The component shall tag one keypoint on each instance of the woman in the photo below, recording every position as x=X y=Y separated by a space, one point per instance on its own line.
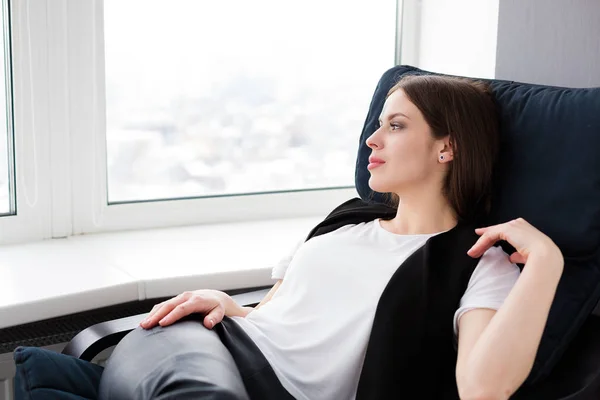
x=434 y=153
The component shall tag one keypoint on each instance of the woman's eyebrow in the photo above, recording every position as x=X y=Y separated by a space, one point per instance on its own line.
x=398 y=114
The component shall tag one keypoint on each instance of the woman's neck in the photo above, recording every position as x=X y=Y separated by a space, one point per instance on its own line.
x=423 y=216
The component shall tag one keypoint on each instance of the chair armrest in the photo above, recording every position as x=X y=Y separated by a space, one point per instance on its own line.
x=92 y=340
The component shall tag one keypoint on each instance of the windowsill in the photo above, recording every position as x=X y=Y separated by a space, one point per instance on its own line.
x=64 y=276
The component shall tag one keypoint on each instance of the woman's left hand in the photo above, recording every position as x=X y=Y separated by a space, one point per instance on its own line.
x=525 y=238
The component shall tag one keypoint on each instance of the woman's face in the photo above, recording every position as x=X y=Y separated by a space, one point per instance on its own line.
x=404 y=143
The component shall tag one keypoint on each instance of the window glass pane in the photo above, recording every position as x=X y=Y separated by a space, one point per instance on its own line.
x=210 y=98
x=6 y=173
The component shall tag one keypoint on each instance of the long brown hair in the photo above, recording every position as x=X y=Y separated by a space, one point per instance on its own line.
x=464 y=109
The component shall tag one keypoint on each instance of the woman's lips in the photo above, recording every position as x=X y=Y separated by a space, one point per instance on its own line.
x=375 y=164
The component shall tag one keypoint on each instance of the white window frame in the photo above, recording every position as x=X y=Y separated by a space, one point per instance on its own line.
x=67 y=104
x=31 y=129
x=408 y=32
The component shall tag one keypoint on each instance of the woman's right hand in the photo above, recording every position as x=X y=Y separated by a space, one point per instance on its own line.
x=211 y=303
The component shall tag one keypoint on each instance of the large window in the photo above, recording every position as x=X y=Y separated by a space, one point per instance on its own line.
x=209 y=98
x=132 y=114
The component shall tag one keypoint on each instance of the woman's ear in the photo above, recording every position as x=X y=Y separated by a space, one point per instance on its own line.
x=447 y=151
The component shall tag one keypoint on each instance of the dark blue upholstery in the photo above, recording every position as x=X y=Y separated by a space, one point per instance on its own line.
x=549 y=174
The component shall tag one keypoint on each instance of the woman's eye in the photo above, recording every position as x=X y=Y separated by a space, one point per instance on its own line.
x=396 y=126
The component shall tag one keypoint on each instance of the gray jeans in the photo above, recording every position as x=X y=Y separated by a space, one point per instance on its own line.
x=188 y=361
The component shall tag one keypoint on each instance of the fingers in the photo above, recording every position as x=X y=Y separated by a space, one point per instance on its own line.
x=168 y=312
x=160 y=310
x=517 y=258
x=524 y=237
x=158 y=313
x=155 y=309
x=177 y=313
x=214 y=317
x=489 y=236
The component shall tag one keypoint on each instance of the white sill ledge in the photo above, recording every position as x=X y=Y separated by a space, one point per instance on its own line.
x=64 y=276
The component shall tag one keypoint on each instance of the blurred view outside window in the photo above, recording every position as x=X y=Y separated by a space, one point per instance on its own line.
x=6 y=134
x=211 y=98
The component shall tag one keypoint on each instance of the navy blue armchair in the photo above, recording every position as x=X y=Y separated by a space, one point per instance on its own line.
x=549 y=174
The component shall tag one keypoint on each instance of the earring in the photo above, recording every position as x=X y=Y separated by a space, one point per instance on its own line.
x=441 y=158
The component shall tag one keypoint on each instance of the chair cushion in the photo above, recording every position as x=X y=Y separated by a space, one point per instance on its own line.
x=548 y=173
x=44 y=375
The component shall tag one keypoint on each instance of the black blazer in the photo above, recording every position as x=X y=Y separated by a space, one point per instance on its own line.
x=411 y=352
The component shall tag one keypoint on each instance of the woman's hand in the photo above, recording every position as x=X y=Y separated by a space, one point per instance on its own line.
x=525 y=238
x=209 y=302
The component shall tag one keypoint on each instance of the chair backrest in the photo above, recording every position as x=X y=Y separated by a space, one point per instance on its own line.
x=549 y=174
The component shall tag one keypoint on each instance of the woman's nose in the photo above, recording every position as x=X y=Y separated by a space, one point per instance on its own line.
x=371 y=142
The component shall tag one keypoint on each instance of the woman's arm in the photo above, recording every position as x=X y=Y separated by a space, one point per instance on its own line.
x=496 y=349
x=213 y=303
x=247 y=310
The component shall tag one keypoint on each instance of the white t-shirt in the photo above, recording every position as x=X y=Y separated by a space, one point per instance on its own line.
x=315 y=329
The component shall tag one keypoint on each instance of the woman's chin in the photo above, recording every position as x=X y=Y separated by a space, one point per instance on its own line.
x=378 y=186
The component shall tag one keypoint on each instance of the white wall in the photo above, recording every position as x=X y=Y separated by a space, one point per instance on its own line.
x=457 y=36
x=552 y=42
